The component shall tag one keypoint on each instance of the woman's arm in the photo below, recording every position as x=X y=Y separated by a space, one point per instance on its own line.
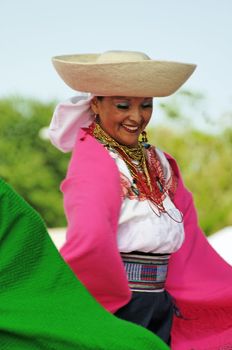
x=92 y=204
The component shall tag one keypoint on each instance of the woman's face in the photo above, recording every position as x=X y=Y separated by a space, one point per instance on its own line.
x=123 y=118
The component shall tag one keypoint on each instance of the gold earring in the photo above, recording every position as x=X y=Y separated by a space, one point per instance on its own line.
x=144 y=137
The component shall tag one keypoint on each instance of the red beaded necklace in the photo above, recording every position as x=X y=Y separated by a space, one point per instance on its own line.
x=143 y=164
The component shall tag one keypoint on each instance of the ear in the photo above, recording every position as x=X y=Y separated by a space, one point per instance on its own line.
x=94 y=105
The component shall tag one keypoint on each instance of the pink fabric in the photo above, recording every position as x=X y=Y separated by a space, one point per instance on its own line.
x=202 y=288
x=92 y=216
x=69 y=116
x=198 y=279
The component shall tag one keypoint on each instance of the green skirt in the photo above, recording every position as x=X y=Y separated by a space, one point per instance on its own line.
x=43 y=306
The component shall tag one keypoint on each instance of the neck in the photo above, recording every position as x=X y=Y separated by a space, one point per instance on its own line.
x=134 y=152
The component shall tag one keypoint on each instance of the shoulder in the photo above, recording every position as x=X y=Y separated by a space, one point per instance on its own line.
x=167 y=162
x=92 y=172
x=90 y=156
x=170 y=168
x=183 y=198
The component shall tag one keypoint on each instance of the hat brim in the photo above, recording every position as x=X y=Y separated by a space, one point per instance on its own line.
x=146 y=78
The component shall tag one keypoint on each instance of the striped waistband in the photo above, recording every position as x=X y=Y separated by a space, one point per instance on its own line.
x=146 y=272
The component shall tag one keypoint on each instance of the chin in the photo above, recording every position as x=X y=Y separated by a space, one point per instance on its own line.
x=130 y=144
x=127 y=142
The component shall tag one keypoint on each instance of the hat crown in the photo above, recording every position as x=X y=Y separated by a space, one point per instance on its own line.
x=122 y=56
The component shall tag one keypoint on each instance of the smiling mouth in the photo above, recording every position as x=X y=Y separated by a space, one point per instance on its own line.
x=130 y=128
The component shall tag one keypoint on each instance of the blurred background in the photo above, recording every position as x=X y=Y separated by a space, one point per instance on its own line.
x=194 y=125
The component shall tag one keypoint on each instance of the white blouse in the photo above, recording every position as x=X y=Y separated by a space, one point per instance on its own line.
x=141 y=226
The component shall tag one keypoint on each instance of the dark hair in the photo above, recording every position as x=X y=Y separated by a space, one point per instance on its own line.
x=100 y=98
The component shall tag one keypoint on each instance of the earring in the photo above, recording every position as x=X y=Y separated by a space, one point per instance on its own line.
x=97 y=119
x=144 y=137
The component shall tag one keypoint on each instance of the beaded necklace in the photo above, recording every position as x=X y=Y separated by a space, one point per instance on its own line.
x=148 y=179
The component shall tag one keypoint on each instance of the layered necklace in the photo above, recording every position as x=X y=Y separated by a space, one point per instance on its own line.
x=148 y=178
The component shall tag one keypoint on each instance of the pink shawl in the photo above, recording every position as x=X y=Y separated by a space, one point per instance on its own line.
x=198 y=279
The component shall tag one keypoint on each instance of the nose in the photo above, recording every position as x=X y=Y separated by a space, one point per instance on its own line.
x=136 y=115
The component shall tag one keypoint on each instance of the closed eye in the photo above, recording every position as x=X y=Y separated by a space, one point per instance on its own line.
x=122 y=105
x=147 y=105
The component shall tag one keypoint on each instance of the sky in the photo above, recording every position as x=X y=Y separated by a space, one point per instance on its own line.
x=196 y=31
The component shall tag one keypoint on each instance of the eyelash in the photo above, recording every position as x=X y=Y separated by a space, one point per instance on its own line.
x=147 y=105
x=121 y=106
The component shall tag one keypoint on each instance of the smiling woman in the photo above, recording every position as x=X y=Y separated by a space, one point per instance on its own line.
x=123 y=118
x=133 y=237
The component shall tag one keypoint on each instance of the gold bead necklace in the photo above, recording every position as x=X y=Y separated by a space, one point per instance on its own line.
x=134 y=156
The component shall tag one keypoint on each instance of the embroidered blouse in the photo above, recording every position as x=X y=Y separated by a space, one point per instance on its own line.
x=141 y=226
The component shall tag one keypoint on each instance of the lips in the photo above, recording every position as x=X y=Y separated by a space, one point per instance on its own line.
x=130 y=128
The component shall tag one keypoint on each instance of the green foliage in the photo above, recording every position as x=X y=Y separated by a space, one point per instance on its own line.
x=181 y=104
x=205 y=163
x=27 y=161
x=35 y=168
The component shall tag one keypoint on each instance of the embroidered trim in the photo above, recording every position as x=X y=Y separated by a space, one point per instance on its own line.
x=145 y=167
x=129 y=189
x=146 y=272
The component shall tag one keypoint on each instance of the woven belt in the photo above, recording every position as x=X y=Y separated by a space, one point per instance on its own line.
x=146 y=272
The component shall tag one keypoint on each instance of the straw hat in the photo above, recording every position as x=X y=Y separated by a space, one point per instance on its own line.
x=122 y=73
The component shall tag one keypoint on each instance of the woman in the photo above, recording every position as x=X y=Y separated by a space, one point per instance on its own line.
x=130 y=218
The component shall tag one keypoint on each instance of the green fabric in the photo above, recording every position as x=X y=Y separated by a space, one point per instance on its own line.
x=42 y=304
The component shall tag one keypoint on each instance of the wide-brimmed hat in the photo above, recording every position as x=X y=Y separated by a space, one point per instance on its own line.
x=122 y=73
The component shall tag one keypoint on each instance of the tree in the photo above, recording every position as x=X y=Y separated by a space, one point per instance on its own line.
x=204 y=159
x=28 y=162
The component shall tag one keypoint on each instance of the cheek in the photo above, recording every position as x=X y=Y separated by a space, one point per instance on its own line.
x=110 y=125
x=147 y=118
x=111 y=119
x=115 y=119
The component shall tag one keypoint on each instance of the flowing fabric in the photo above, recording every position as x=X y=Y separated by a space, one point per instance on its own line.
x=63 y=130
x=201 y=283
x=43 y=306
x=198 y=279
